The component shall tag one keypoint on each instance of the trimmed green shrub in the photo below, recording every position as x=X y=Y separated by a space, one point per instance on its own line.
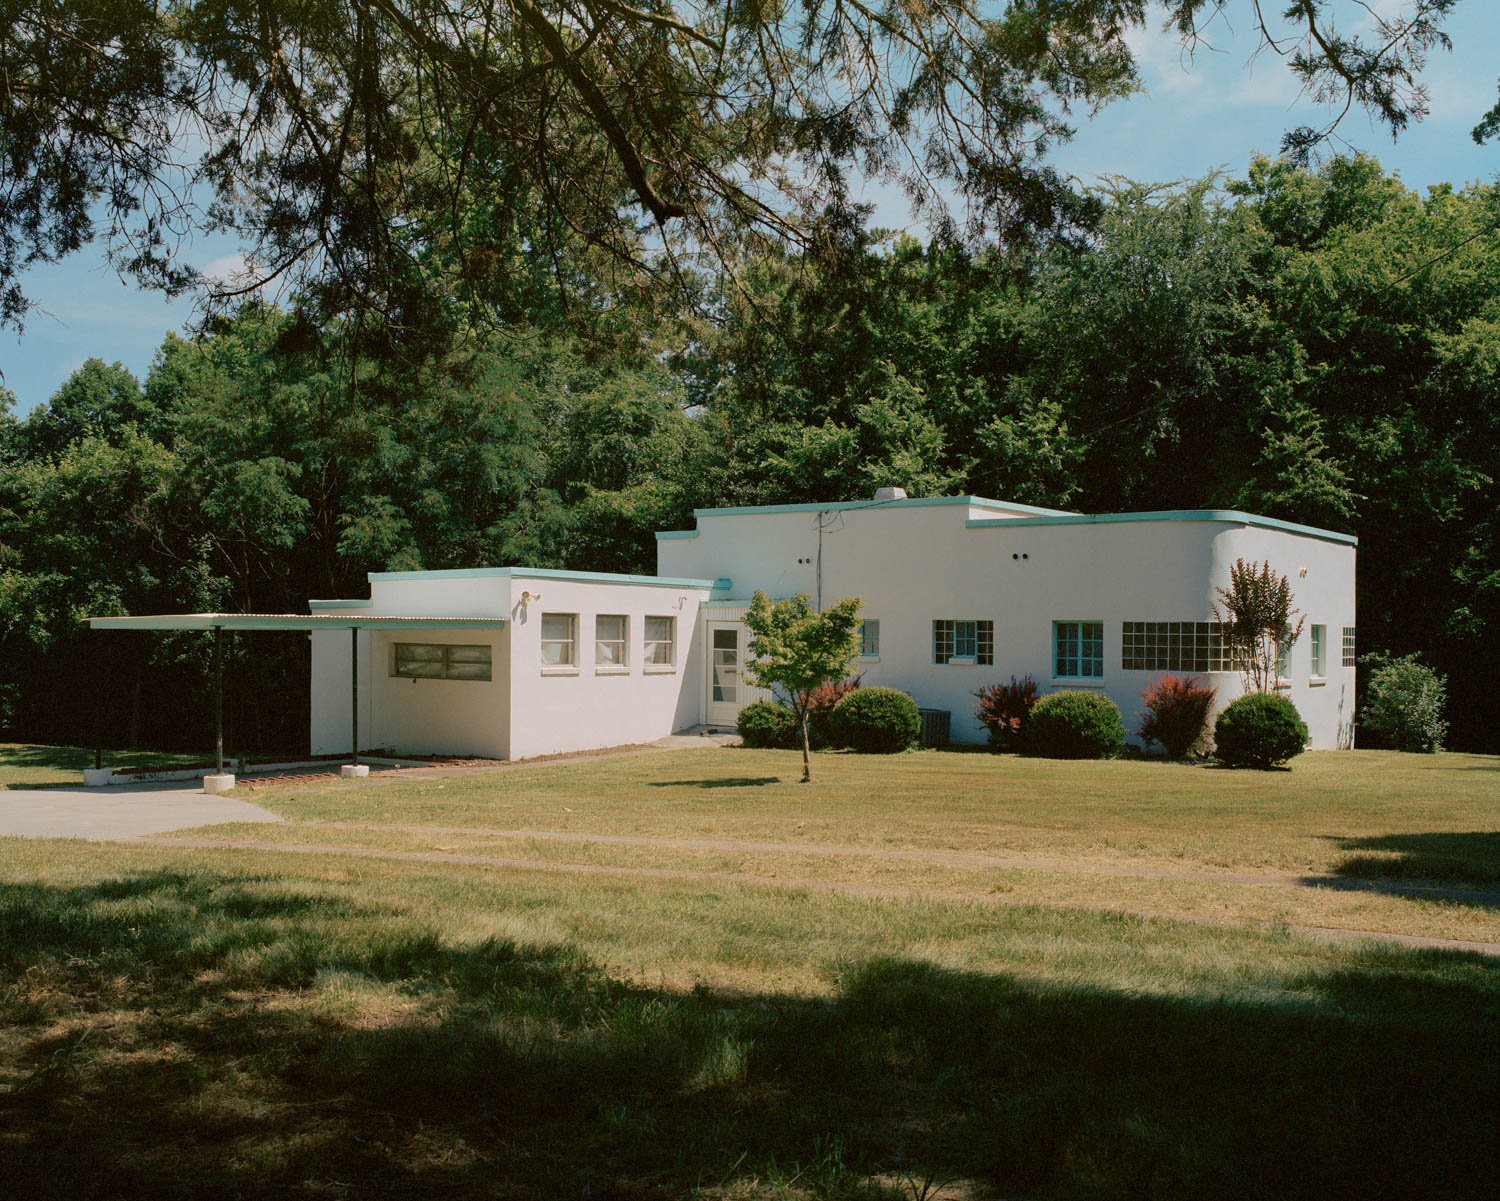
x=1003 y=710
x=1260 y=729
x=769 y=724
x=875 y=721
x=1404 y=705
x=1074 y=725
x=1176 y=713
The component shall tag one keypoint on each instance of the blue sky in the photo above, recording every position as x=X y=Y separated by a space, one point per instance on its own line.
x=1213 y=111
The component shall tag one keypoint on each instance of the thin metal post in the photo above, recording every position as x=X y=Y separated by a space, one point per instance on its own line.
x=354 y=689
x=219 y=700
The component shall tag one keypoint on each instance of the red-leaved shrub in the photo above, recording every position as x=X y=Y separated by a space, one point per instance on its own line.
x=1176 y=713
x=1003 y=710
x=820 y=703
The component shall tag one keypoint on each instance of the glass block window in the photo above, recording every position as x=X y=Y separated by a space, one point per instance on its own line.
x=611 y=637
x=661 y=641
x=954 y=638
x=1078 y=649
x=869 y=639
x=1318 y=636
x=440 y=661
x=1196 y=646
x=1348 y=646
x=559 y=639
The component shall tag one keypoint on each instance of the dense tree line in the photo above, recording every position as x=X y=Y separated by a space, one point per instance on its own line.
x=1317 y=345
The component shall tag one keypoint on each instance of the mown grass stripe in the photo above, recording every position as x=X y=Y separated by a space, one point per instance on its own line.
x=862 y=891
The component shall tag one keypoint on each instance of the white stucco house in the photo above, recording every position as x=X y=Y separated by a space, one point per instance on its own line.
x=958 y=592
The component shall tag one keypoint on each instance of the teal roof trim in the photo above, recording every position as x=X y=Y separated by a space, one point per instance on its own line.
x=911 y=502
x=287 y=621
x=541 y=573
x=1227 y=516
x=315 y=605
x=663 y=535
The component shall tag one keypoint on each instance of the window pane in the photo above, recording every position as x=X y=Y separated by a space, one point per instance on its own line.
x=608 y=627
x=964 y=639
x=869 y=638
x=468 y=654
x=557 y=626
x=942 y=641
x=984 y=642
x=660 y=635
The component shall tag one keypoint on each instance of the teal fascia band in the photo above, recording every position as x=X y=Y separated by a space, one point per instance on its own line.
x=664 y=535
x=288 y=621
x=540 y=573
x=1226 y=516
x=315 y=605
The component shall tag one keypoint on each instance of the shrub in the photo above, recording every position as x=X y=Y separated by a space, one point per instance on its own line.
x=1003 y=710
x=1259 y=729
x=1176 y=713
x=1074 y=725
x=769 y=724
x=876 y=721
x=1404 y=705
x=820 y=703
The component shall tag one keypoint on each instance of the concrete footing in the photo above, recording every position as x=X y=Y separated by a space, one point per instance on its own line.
x=217 y=784
x=98 y=777
x=354 y=771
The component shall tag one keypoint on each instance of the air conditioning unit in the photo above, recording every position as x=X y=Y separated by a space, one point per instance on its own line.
x=937 y=725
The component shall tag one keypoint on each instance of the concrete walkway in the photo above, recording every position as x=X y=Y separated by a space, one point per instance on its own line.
x=119 y=811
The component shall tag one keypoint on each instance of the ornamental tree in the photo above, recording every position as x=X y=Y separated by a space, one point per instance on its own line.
x=1256 y=615
x=795 y=649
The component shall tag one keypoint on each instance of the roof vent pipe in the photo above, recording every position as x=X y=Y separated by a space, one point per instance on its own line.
x=890 y=493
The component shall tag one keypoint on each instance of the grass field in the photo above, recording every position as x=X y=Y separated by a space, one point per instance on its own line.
x=867 y=988
x=29 y=765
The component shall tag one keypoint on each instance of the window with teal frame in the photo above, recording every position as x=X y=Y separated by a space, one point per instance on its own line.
x=1077 y=650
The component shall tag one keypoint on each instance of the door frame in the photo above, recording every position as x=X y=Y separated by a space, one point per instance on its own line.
x=710 y=715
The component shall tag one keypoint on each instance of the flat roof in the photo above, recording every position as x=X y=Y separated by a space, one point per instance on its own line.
x=547 y=573
x=285 y=621
x=1228 y=516
x=905 y=502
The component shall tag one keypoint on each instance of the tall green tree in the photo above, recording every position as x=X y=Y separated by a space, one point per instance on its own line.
x=371 y=154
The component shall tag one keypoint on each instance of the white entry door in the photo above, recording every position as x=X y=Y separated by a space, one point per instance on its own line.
x=725 y=687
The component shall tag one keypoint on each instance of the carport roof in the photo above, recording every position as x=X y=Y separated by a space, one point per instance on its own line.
x=285 y=621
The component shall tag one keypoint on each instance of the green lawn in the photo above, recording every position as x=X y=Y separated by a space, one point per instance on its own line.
x=209 y=1022
x=28 y=765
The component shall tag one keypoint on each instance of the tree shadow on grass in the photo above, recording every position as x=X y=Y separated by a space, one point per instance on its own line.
x=719 y=782
x=1459 y=857
x=176 y=1035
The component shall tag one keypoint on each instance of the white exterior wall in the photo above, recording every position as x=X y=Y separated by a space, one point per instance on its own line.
x=584 y=707
x=915 y=564
x=524 y=709
x=441 y=717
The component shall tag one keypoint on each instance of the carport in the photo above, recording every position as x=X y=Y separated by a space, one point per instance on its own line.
x=221 y=781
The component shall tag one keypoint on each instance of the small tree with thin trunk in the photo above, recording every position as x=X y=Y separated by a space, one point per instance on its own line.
x=1255 y=615
x=794 y=649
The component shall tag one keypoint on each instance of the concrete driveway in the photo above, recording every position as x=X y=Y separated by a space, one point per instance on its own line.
x=120 y=811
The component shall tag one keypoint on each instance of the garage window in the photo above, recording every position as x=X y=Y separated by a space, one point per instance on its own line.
x=441 y=661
